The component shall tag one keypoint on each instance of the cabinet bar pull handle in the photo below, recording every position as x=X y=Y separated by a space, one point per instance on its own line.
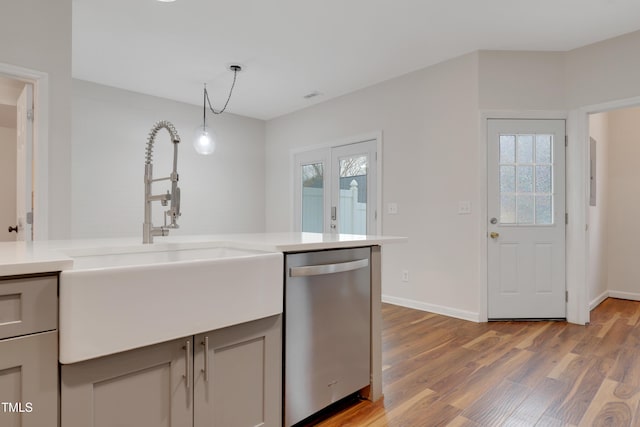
x=187 y=351
x=205 y=343
x=316 y=270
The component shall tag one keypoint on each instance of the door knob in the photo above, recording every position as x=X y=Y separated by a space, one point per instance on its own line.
x=13 y=229
x=494 y=235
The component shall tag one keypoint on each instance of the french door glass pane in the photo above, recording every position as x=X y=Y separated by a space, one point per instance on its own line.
x=526 y=179
x=352 y=209
x=313 y=198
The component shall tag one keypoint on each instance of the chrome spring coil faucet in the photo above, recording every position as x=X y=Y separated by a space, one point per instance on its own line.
x=148 y=230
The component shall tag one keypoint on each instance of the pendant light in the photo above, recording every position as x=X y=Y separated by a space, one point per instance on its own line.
x=205 y=140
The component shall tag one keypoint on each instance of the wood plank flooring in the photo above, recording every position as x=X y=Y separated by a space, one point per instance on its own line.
x=440 y=371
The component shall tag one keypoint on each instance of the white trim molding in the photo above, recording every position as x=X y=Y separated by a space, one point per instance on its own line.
x=598 y=300
x=432 y=308
x=632 y=296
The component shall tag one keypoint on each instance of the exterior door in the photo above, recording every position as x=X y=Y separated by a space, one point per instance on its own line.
x=24 y=158
x=335 y=189
x=526 y=219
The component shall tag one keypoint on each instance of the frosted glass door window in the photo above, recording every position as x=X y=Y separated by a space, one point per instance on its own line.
x=313 y=198
x=526 y=179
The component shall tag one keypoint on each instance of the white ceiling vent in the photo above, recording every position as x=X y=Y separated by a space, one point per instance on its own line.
x=312 y=95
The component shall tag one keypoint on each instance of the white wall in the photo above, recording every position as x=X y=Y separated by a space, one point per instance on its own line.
x=8 y=140
x=605 y=71
x=430 y=148
x=598 y=218
x=220 y=193
x=511 y=80
x=36 y=34
x=624 y=203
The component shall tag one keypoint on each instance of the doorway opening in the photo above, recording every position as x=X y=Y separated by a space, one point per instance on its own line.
x=613 y=206
x=28 y=91
x=16 y=161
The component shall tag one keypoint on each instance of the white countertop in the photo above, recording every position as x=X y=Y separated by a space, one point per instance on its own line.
x=18 y=258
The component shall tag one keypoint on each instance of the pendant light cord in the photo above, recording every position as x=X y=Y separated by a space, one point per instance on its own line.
x=206 y=94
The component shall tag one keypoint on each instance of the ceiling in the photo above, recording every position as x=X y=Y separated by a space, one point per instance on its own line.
x=290 y=48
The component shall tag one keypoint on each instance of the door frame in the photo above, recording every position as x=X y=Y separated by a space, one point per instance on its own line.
x=40 y=143
x=375 y=135
x=580 y=129
x=483 y=218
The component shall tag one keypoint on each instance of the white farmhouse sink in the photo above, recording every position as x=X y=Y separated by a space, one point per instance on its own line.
x=117 y=299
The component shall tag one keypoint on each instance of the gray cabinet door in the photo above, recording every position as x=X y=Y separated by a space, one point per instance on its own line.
x=29 y=381
x=238 y=375
x=146 y=387
x=28 y=305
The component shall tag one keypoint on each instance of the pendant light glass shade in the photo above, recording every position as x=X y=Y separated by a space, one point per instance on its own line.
x=204 y=141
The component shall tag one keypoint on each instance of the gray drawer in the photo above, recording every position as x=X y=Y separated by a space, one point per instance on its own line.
x=28 y=305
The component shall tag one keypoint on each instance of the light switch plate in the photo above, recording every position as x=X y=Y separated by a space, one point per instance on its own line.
x=464 y=207
x=392 y=208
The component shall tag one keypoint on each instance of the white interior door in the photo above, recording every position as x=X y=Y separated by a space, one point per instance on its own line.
x=526 y=219
x=24 y=193
x=336 y=189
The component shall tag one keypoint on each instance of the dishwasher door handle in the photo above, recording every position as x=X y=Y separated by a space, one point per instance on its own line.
x=317 y=270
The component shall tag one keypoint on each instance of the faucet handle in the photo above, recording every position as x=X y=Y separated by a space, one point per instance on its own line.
x=175 y=202
x=166 y=197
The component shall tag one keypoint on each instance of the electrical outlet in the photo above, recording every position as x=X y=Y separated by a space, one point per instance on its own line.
x=405 y=275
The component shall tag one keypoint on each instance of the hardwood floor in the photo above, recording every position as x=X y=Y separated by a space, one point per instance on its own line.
x=439 y=371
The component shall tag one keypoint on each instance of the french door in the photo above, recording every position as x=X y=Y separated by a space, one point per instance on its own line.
x=526 y=219
x=335 y=189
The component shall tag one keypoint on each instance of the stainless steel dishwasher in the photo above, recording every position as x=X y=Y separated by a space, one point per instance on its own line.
x=327 y=329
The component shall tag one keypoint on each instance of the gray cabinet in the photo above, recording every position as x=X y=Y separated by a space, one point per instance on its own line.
x=146 y=387
x=238 y=375
x=228 y=377
x=29 y=351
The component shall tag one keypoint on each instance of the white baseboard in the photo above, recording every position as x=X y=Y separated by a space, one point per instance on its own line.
x=432 y=308
x=597 y=300
x=633 y=296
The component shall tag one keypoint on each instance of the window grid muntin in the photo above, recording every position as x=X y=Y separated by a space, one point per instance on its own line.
x=540 y=156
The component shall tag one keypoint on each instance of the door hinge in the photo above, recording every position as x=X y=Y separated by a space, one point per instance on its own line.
x=566 y=219
x=30 y=114
x=566 y=296
x=30 y=218
x=566 y=140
